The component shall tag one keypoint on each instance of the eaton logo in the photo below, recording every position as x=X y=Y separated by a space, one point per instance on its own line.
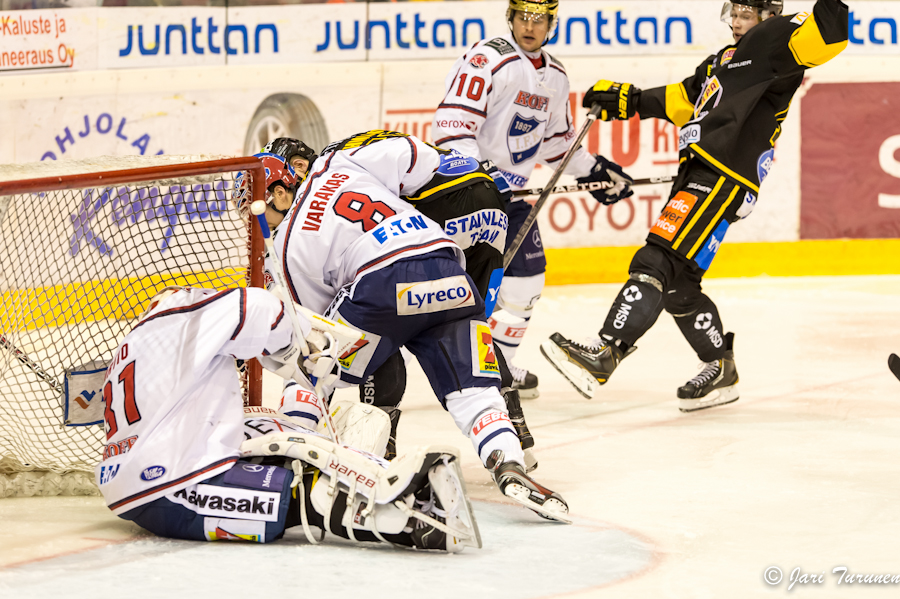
x=199 y=39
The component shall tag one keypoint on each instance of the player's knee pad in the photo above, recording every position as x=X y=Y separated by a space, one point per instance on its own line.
x=656 y=262
x=683 y=300
x=360 y=426
x=385 y=387
x=518 y=295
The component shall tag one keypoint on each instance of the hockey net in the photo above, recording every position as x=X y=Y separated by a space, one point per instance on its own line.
x=85 y=245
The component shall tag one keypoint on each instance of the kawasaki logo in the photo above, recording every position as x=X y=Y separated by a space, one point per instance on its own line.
x=210 y=500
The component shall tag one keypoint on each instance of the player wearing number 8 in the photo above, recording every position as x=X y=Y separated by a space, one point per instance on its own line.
x=352 y=250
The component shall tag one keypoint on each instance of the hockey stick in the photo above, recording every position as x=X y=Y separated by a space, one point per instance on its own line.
x=894 y=365
x=592 y=186
x=258 y=209
x=520 y=236
x=31 y=365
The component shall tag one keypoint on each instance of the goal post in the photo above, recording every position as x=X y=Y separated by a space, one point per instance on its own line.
x=83 y=247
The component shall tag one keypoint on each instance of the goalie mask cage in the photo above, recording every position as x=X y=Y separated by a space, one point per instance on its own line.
x=81 y=256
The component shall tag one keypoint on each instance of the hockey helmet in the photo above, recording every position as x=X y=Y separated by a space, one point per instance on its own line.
x=535 y=7
x=764 y=9
x=289 y=148
x=278 y=172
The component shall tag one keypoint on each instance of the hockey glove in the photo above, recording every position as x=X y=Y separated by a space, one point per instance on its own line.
x=499 y=180
x=618 y=101
x=618 y=182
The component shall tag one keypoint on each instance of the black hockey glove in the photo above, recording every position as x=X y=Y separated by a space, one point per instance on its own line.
x=499 y=180
x=618 y=101
x=608 y=172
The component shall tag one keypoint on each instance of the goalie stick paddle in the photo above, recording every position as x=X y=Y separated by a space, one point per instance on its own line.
x=295 y=320
x=592 y=186
x=894 y=365
x=526 y=226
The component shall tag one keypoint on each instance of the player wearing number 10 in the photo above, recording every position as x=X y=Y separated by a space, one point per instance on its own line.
x=507 y=100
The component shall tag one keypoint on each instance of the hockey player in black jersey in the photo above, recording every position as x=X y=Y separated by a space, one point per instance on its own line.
x=730 y=112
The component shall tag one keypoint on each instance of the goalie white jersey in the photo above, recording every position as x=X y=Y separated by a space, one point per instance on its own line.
x=345 y=223
x=175 y=369
x=498 y=106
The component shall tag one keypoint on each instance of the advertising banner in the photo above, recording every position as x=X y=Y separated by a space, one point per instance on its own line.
x=850 y=161
x=174 y=36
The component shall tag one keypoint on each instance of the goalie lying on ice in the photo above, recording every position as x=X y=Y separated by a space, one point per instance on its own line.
x=183 y=461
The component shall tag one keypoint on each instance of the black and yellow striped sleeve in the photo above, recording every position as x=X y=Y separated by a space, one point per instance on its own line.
x=822 y=36
x=674 y=102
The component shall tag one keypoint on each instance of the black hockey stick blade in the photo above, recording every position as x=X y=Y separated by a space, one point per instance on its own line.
x=894 y=365
x=592 y=186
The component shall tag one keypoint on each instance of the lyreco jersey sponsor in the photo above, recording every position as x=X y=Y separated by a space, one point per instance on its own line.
x=499 y=107
x=345 y=224
x=434 y=296
x=229 y=502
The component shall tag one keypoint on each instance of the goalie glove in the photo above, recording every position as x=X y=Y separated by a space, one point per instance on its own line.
x=605 y=171
x=618 y=101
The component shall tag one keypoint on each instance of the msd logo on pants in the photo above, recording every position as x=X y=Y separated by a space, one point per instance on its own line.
x=434 y=296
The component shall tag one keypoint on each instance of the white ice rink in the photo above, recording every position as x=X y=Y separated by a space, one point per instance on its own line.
x=803 y=471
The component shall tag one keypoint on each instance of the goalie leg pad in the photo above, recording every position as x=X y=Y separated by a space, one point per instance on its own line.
x=361 y=426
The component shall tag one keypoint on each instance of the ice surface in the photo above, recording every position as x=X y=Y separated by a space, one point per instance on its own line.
x=802 y=471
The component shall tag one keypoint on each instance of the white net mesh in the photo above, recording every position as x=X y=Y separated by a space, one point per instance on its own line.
x=77 y=267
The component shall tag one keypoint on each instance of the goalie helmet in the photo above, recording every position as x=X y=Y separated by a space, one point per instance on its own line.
x=278 y=172
x=289 y=148
x=764 y=9
x=535 y=7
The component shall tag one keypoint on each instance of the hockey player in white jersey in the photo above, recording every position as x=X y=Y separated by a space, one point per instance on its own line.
x=462 y=196
x=507 y=100
x=183 y=459
x=352 y=250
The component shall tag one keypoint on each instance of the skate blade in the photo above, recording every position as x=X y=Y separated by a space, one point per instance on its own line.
x=551 y=509
x=719 y=397
x=580 y=378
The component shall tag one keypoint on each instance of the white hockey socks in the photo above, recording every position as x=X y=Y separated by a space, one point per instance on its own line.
x=480 y=413
x=518 y=296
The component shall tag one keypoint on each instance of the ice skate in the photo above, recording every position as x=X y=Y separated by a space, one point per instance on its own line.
x=526 y=383
x=519 y=487
x=446 y=501
x=584 y=365
x=716 y=384
x=517 y=418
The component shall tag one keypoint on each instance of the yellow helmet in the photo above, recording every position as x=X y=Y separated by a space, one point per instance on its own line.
x=536 y=7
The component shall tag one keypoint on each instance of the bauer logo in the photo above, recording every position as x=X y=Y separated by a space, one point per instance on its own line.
x=672 y=217
x=484 y=360
x=434 y=296
x=152 y=473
